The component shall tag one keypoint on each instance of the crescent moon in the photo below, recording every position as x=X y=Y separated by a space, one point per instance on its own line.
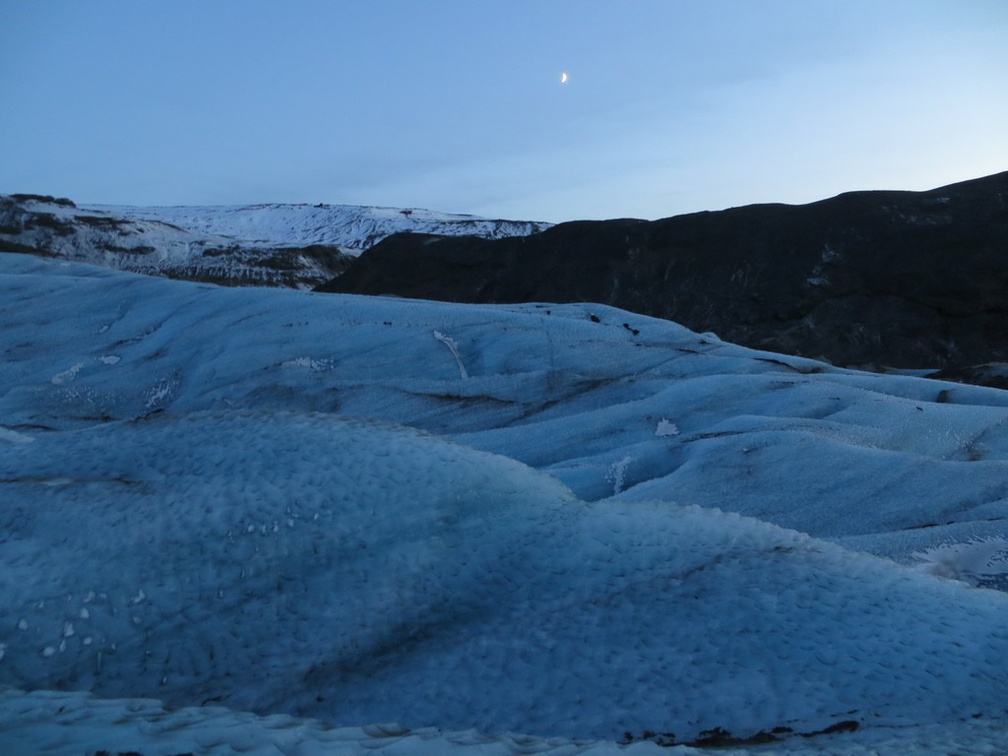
x=563 y=78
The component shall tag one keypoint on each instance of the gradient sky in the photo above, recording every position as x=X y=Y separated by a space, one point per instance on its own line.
x=671 y=106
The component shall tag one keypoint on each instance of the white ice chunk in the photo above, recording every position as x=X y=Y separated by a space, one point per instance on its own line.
x=666 y=428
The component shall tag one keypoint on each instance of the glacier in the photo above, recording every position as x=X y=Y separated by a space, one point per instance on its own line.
x=237 y=516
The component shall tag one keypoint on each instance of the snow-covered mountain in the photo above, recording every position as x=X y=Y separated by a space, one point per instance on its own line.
x=271 y=245
x=352 y=228
x=567 y=521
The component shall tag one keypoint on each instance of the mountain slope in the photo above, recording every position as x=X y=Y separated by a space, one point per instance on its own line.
x=352 y=228
x=902 y=279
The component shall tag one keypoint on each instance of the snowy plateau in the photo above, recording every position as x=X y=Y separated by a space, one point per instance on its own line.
x=270 y=521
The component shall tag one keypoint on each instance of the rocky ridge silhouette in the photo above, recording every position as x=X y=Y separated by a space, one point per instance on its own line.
x=909 y=280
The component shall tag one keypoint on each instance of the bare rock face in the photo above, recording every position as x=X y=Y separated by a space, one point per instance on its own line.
x=898 y=279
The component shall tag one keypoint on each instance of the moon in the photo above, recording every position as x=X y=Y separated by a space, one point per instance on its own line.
x=563 y=78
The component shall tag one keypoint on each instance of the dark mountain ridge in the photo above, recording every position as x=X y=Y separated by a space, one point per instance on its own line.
x=884 y=278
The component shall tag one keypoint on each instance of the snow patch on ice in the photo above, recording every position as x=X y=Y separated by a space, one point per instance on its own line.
x=160 y=392
x=452 y=345
x=974 y=561
x=617 y=473
x=309 y=363
x=13 y=437
x=67 y=375
x=666 y=428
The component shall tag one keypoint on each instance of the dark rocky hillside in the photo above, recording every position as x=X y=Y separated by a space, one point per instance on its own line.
x=881 y=278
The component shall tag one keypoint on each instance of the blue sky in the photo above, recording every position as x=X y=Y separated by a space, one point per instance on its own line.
x=671 y=106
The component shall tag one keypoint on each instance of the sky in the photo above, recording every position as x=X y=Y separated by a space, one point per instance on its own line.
x=670 y=106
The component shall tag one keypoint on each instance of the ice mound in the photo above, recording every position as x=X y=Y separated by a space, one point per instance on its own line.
x=362 y=572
